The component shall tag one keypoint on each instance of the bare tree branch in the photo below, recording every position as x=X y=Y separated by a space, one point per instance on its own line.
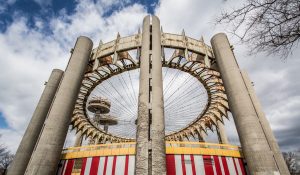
x=5 y=159
x=290 y=160
x=270 y=26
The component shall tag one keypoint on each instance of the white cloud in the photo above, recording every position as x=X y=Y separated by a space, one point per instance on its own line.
x=88 y=20
x=44 y=3
x=11 y=139
x=194 y=16
x=26 y=60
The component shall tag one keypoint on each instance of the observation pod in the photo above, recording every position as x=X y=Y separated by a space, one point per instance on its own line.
x=167 y=92
x=101 y=107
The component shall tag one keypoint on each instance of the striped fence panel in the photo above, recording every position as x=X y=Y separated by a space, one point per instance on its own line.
x=187 y=164
x=106 y=165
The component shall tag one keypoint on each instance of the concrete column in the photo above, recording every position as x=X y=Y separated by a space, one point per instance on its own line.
x=221 y=133
x=47 y=153
x=254 y=143
x=143 y=121
x=283 y=169
x=200 y=138
x=35 y=125
x=78 y=140
x=158 y=119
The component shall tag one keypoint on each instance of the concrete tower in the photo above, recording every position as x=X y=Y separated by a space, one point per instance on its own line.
x=35 y=126
x=254 y=132
x=150 y=151
x=47 y=152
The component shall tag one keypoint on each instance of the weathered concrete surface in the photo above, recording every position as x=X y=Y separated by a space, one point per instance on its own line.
x=35 y=125
x=142 y=136
x=257 y=152
x=158 y=119
x=283 y=169
x=222 y=133
x=47 y=154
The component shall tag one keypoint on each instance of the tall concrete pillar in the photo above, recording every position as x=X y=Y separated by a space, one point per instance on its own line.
x=35 y=125
x=254 y=143
x=283 y=169
x=221 y=133
x=47 y=153
x=143 y=120
x=157 y=104
x=150 y=150
x=78 y=140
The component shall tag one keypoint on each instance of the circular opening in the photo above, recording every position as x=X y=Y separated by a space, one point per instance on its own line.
x=185 y=98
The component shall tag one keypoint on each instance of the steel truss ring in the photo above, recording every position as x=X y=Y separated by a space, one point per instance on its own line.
x=214 y=111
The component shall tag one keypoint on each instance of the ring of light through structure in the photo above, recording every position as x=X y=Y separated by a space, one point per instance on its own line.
x=215 y=109
x=184 y=99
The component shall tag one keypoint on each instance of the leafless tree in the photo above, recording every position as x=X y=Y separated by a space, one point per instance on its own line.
x=5 y=159
x=270 y=26
x=290 y=160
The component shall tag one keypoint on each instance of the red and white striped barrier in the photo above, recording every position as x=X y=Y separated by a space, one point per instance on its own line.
x=106 y=165
x=176 y=165
x=204 y=165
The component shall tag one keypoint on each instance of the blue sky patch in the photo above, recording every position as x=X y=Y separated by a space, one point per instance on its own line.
x=3 y=123
x=49 y=9
x=31 y=10
x=148 y=4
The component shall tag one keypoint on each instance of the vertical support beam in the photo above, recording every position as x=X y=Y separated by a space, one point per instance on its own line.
x=35 y=126
x=143 y=135
x=78 y=140
x=150 y=150
x=222 y=133
x=283 y=169
x=158 y=119
x=48 y=151
x=257 y=152
x=200 y=136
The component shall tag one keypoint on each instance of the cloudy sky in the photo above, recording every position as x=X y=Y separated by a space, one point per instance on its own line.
x=37 y=35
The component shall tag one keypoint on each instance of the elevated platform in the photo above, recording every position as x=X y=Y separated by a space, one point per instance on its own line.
x=182 y=158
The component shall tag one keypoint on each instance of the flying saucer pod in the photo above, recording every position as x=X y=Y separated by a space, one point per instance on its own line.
x=99 y=105
x=108 y=120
